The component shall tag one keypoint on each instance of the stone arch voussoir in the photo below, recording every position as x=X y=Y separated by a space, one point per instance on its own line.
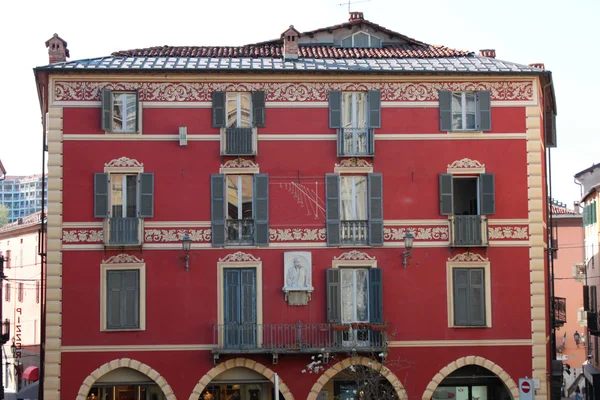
x=471 y=360
x=84 y=389
x=243 y=363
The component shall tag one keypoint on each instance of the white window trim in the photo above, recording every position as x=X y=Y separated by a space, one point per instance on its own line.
x=104 y=268
x=354 y=213
x=354 y=309
x=239 y=114
x=221 y=266
x=139 y=116
x=450 y=266
x=462 y=129
x=366 y=33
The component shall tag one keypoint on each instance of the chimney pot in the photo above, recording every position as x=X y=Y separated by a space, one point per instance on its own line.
x=537 y=65
x=356 y=16
x=576 y=206
x=290 y=43
x=490 y=53
x=57 y=49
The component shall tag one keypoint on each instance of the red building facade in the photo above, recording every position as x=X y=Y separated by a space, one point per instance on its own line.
x=296 y=168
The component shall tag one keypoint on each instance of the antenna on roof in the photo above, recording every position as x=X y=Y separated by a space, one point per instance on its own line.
x=349 y=2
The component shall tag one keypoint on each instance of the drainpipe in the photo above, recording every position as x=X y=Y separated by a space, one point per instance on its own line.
x=276 y=388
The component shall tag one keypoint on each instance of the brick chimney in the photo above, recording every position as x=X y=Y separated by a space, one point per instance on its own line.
x=57 y=49
x=356 y=16
x=489 y=53
x=290 y=43
x=537 y=65
x=576 y=206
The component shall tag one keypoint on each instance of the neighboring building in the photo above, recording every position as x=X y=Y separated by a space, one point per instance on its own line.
x=296 y=168
x=22 y=195
x=21 y=303
x=569 y=279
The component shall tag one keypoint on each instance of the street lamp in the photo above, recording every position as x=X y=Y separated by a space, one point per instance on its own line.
x=408 y=244
x=186 y=243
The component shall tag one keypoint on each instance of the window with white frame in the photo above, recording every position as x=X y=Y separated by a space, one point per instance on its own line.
x=353 y=197
x=464 y=111
x=123 y=195
x=239 y=110
x=240 y=215
x=469 y=294
x=355 y=294
x=120 y=111
x=361 y=39
x=123 y=296
x=354 y=123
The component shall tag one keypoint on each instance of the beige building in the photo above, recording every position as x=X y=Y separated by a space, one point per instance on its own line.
x=21 y=303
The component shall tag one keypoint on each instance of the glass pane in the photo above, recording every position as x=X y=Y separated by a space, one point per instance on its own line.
x=346 y=184
x=116 y=200
x=362 y=295
x=131 y=181
x=246 y=107
x=361 y=197
x=126 y=392
x=347 y=295
x=118 y=111
x=232 y=197
x=361 y=40
x=247 y=189
x=347 y=110
x=470 y=122
x=232 y=110
x=457 y=111
x=131 y=104
x=479 y=392
x=375 y=42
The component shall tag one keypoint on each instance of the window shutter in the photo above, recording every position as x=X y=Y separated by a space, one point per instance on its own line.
x=113 y=298
x=477 y=297
x=335 y=109
x=593 y=299
x=332 y=193
x=484 y=104
x=232 y=295
x=137 y=111
x=334 y=313
x=130 y=304
x=100 y=195
x=258 y=109
x=586 y=298
x=446 y=196
x=374 y=100
x=375 y=182
x=146 y=195
x=550 y=128
x=261 y=209
x=107 y=110
x=461 y=296
x=486 y=185
x=217 y=192
x=376 y=295
x=445 y=110
x=218 y=109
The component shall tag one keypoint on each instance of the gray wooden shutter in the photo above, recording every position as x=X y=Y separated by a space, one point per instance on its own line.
x=231 y=316
x=258 y=109
x=335 y=109
x=374 y=100
x=586 y=298
x=114 y=283
x=217 y=206
x=100 y=195
x=550 y=128
x=107 y=108
x=130 y=304
x=218 y=109
x=460 y=278
x=261 y=209
x=146 y=195
x=445 y=110
x=446 y=195
x=332 y=219
x=477 y=296
x=484 y=104
x=375 y=188
x=375 y=295
x=248 y=307
x=137 y=110
x=486 y=185
x=334 y=307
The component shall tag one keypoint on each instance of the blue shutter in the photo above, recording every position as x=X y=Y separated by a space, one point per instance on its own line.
x=375 y=188
x=334 y=309
x=445 y=110
x=332 y=219
x=461 y=305
x=446 y=195
x=101 y=195
x=137 y=110
x=477 y=297
x=114 y=283
x=130 y=304
x=376 y=295
x=248 y=307
x=258 y=109
x=550 y=128
x=335 y=109
x=261 y=209
x=484 y=105
x=146 y=192
x=232 y=300
x=218 y=109
x=374 y=100
x=486 y=186
x=107 y=110
x=217 y=192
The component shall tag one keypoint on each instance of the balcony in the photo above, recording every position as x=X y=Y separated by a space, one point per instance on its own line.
x=560 y=311
x=240 y=232
x=579 y=272
x=468 y=231
x=123 y=231
x=239 y=142
x=298 y=338
x=354 y=232
x=592 y=323
x=355 y=142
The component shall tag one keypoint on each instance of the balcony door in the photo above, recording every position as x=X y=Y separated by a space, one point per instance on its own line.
x=240 y=308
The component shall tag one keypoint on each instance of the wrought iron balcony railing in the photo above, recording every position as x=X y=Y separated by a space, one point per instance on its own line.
x=560 y=311
x=468 y=230
x=240 y=231
x=239 y=141
x=354 y=232
x=299 y=338
x=355 y=142
x=123 y=231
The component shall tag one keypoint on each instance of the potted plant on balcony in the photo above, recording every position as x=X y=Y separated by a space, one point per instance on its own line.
x=340 y=327
x=379 y=328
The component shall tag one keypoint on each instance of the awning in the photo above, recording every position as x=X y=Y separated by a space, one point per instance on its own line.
x=29 y=392
x=31 y=373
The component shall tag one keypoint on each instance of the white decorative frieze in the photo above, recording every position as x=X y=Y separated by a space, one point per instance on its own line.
x=239 y=256
x=353 y=163
x=508 y=232
x=122 y=259
x=297 y=235
x=124 y=162
x=466 y=166
x=468 y=257
x=353 y=256
x=433 y=233
x=83 y=236
x=240 y=163
x=176 y=235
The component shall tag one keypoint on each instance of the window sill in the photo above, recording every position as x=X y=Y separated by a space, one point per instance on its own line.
x=122 y=133
x=465 y=132
x=470 y=327
x=124 y=330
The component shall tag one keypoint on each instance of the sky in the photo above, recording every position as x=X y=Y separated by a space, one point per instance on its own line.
x=561 y=34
